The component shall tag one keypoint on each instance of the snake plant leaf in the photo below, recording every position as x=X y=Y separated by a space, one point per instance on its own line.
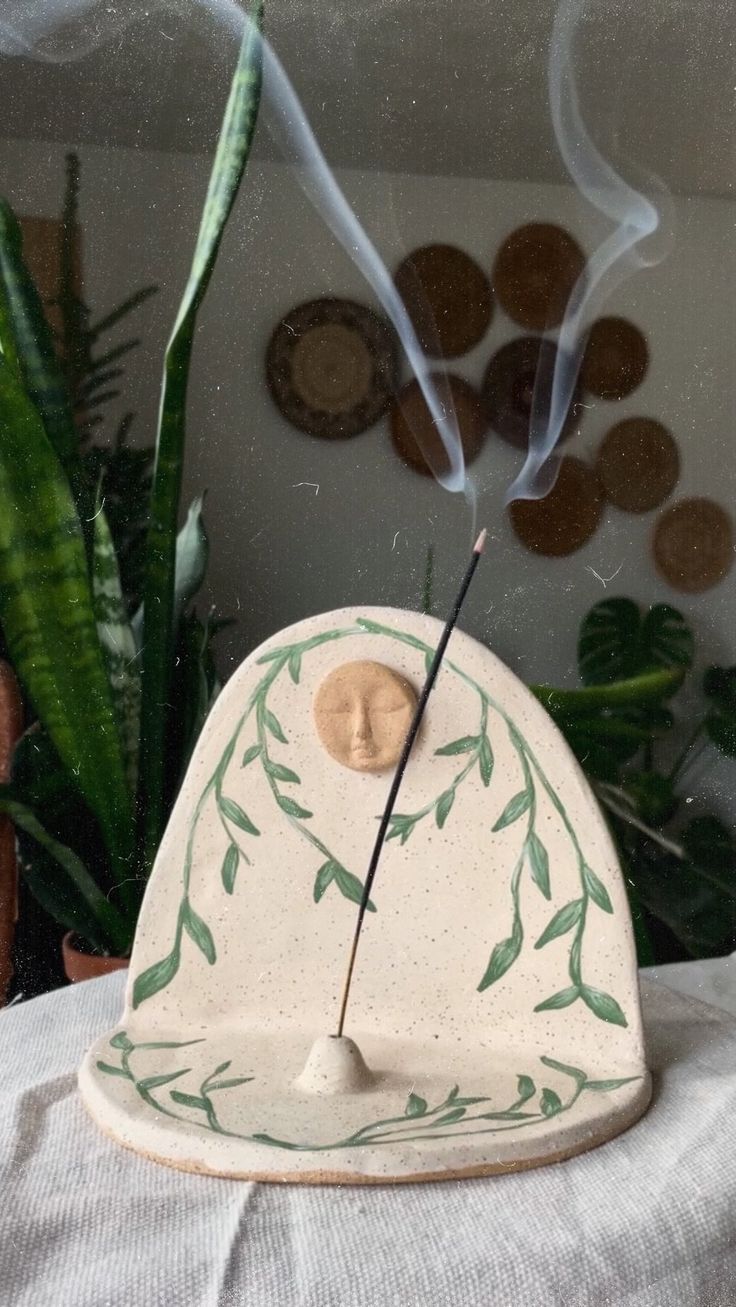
x=63 y=885
x=47 y=617
x=117 y=643
x=192 y=553
x=34 y=348
x=231 y=156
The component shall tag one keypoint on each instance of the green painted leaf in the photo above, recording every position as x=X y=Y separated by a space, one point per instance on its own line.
x=453 y=1094
x=456 y=1115
x=485 y=761
x=229 y=870
x=234 y=813
x=596 y=890
x=401 y=826
x=539 y=863
x=280 y=772
x=428 y=661
x=274 y=726
x=112 y=1070
x=251 y=754
x=199 y=932
x=602 y=1005
x=295 y=666
x=222 y=1067
x=503 y=956
x=606 y=1086
x=231 y=1084
x=415 y=1106
x=465 y=744
x=155 y=1082
x=351 y=887
x=514 y=809
x=120 y=1040
x=324 y=877
x=189 y=1100
x=574 y=1071
x=563 y=998
x=443 y=807
x=291 y=807
x=155 y=977
x=550 y=1102
x=525 y=1089
x=561 y=922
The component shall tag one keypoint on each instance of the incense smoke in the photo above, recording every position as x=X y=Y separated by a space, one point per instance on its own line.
x=614 y=260
x=58 y=31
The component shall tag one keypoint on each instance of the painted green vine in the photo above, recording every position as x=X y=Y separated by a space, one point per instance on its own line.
x=418 y=1123
x=477 y=752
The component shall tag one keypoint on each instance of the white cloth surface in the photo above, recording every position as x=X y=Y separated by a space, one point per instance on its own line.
x=648 y=1220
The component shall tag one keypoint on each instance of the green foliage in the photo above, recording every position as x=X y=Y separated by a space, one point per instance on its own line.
x=680 y=874
x=73 y=555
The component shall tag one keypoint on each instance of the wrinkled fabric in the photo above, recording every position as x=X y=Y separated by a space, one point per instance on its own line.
x=648 y=1220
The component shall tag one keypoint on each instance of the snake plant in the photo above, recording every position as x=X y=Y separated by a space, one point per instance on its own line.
x=91 y=787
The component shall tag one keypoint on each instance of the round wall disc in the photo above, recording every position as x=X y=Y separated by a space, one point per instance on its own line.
x=508 y=388
x=616 y=358
x=566 y=517
x=638 y=464
x=414 y=430
x=332 y=367
x=534 y=272
x=448 y=298
x=693 y=544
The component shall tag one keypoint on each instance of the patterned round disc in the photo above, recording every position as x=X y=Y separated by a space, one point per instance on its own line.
x=508 y=388
x=534 y=272
x=332 y=367
x=448 y=298
x=566 y=517
x=638 y=464
x=414 y=431
x=693 y=544
x=616 y=359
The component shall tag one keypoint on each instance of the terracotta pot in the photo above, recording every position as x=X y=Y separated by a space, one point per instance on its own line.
x=86 y=966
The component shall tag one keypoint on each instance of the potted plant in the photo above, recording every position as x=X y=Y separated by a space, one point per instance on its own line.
x=94 y=779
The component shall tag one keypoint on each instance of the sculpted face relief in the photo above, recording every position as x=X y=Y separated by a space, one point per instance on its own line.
x=363 y=711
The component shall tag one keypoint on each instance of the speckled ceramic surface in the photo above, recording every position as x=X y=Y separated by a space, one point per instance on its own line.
x=495 y=1002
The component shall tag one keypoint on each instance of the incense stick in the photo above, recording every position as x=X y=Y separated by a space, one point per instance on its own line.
x=401 y=765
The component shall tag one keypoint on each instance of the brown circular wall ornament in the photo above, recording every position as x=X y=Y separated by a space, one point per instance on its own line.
x=638 y=464
x=448 y=298
x=332 y=367
x=414 y=431
x=534 y=272
x=693 y=545
x=508 y=388
x=616 y=358
x=566 y=517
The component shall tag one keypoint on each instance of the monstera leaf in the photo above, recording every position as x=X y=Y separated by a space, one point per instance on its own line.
x=616 y=643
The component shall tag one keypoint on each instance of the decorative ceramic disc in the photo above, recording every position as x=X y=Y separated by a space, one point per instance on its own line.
x=693 y=544
x=616 y=359
x=447 y=297
x=566 y=517
x=494 y=1018
x=535 y=270
x=638 y=464
x=332 y=367
x=414 y=431
x=508 y=388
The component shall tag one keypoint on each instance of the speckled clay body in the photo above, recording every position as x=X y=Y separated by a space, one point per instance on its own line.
x=494 y=1019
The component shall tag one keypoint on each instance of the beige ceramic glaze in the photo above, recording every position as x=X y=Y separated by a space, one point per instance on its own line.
x=494 y=1019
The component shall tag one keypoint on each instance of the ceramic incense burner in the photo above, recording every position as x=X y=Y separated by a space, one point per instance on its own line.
x=494 y=1018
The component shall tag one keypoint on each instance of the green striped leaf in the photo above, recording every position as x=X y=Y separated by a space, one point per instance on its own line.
x=228 y=167
x=48 y=621
x=117 y=643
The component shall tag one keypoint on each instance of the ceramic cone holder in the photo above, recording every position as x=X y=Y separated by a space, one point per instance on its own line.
x=494 y=1018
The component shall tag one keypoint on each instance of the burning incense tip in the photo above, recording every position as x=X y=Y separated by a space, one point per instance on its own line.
x=480 y=543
